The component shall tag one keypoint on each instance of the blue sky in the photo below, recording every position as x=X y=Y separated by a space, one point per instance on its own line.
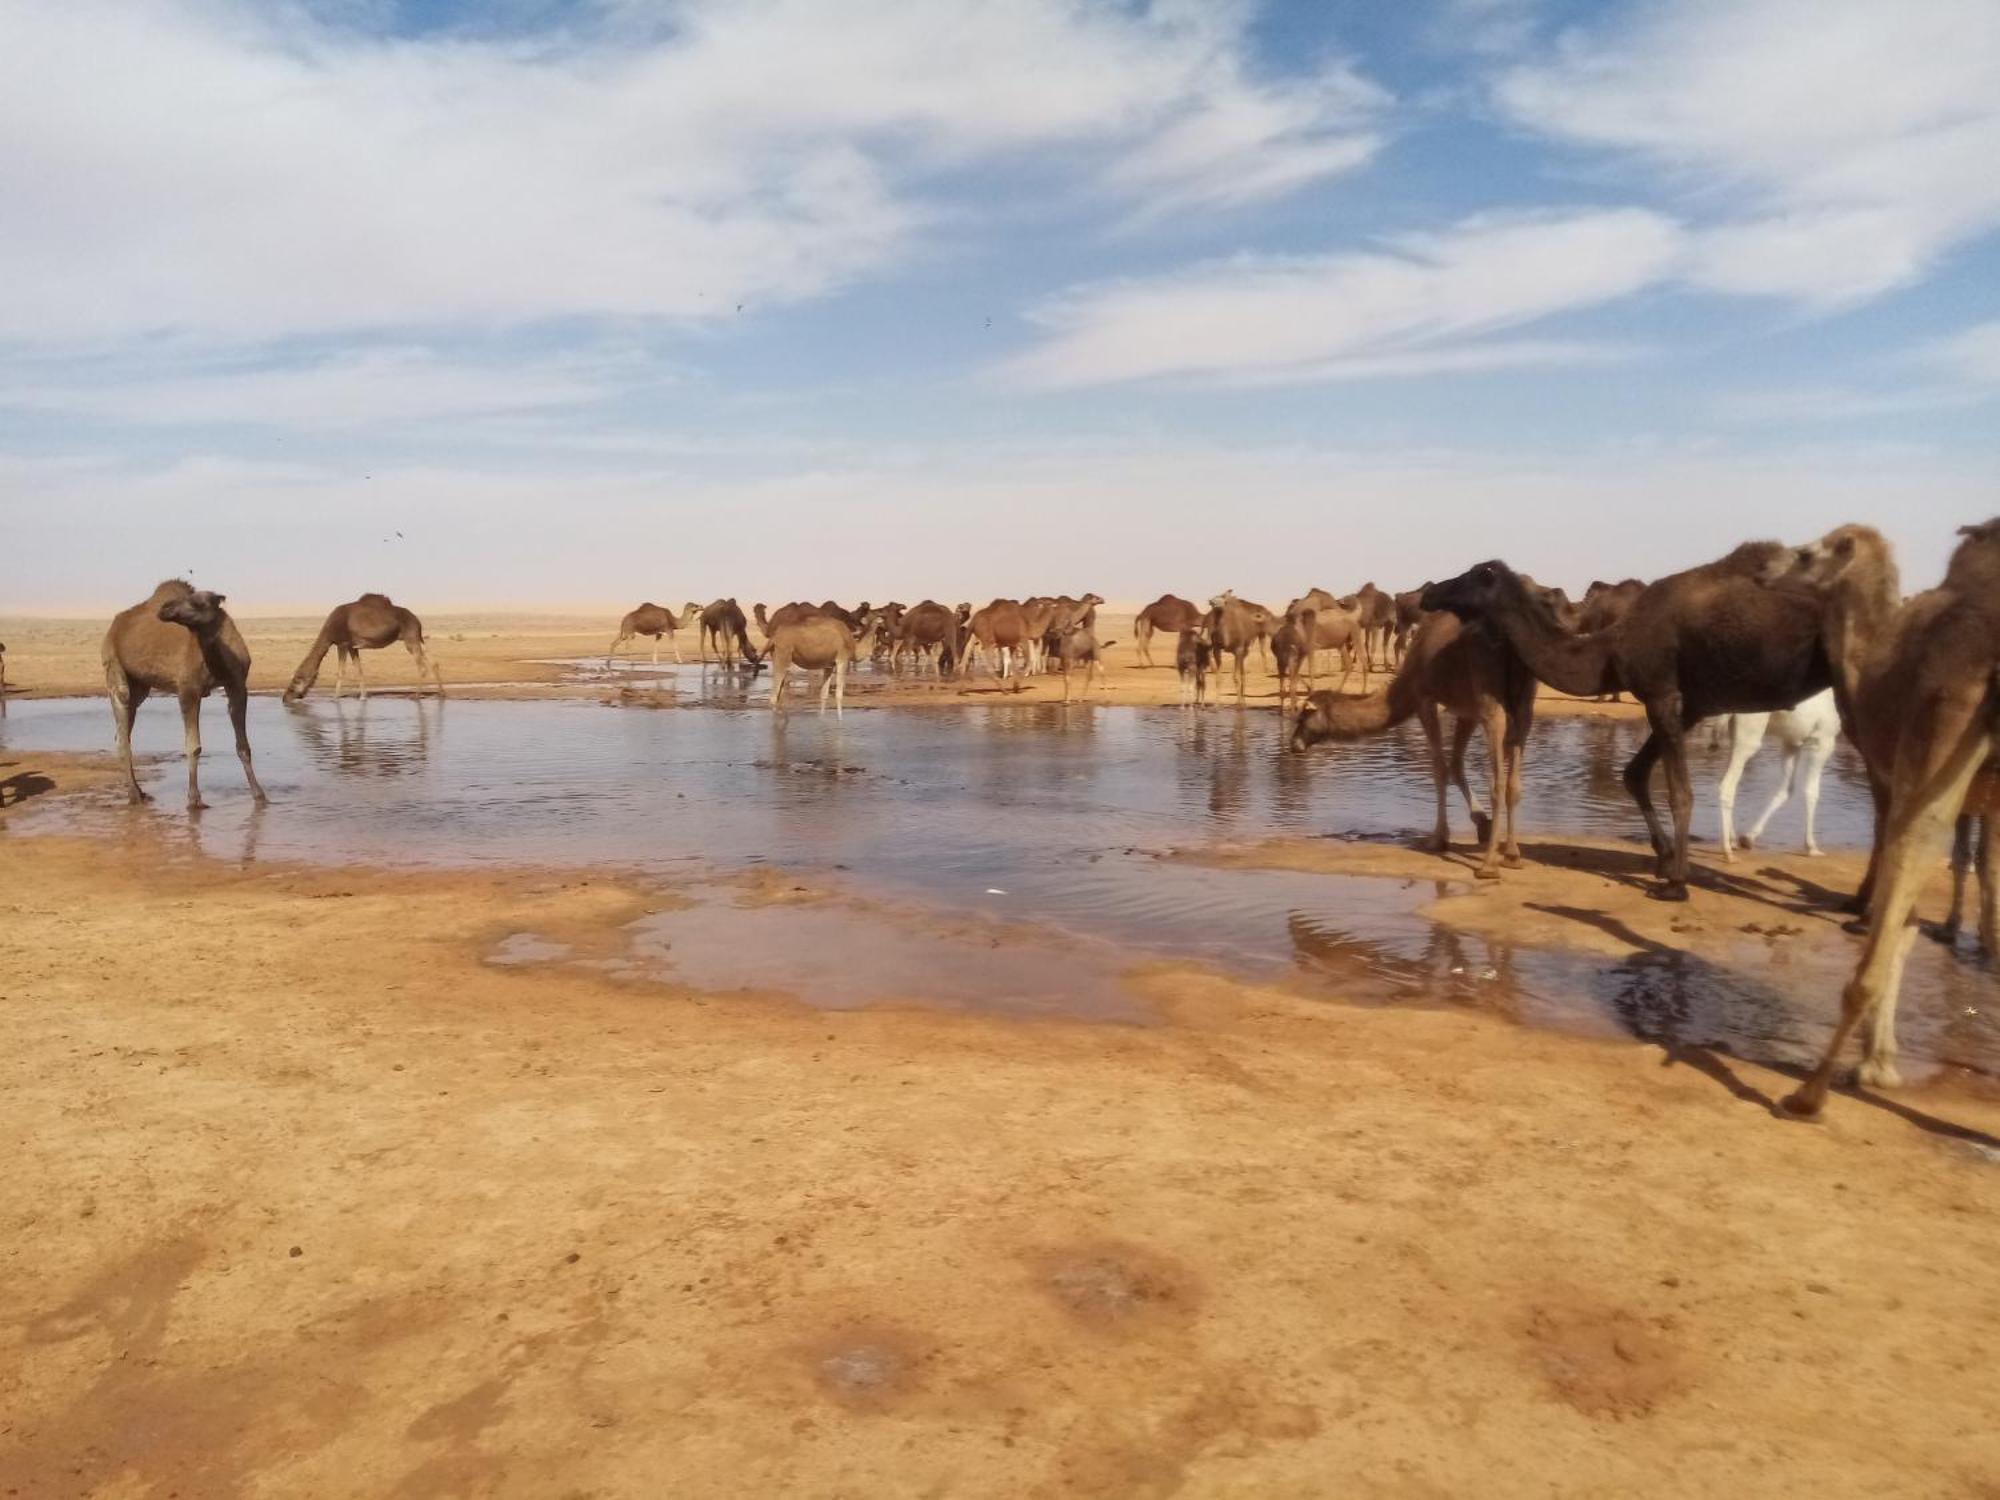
x=668 y=298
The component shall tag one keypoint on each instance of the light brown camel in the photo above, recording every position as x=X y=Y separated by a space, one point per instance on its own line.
x=1065 y=614
x=1234 y=626
x=1292 y=654
x=179 y=641
x=1715 y=639
x=1336 y=627
x=820 y=643
x=1920 y=689
x=1169 y=613
x=929 y=629
x=368 y=624
x=1469 y=669
x=653 y=620
x=724 y=628
x=1409 y=612
x=1378 y=619
x=1191 y=659
x=1078 y=645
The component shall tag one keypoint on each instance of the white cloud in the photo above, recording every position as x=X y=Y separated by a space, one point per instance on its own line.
x=356 y=388
x=1421 y=304
x=1971 y=356
x=1842 y=145
x=239 y=171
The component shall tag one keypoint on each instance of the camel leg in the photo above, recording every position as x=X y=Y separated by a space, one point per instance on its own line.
x=1496 y=749
x=1461 y=737
x=1680 y=802
x=1989 y=894
x=825 y=687
x=1240 y=656
x=126 y=696
x=1788 y=776
x=1510 y=851
x=1440 y=841
x=339 y=671
x=361 y=677
x=1143 y=640
x=1746 y=734
x=1814 y=758
x=239 y=710
x=1639 y=787
x=1931 y=796
x=674 y=640
x=1946 y=932
x=191 y=747
x=612 y=652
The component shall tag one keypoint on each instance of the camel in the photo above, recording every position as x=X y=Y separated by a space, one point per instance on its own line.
x=1806 y=737
x=179 y=641
x=1292 y=654
x=925 y=628
x=1336 y=627
x=1078 y=643
x=821 y=643
x=1973 y=849
x=1170 y=613
x=368 y=624
x=723 y=627
x=1409 y=613
x=1191 y=658
x=1234 y=626
x=888 y=622
x=1002 y=628
x=1378 y=619
x=1920 y=682
x=1604 y=605
x=1466 y=667
x=655 y=620
x=1714 y=639
x=1064 y=614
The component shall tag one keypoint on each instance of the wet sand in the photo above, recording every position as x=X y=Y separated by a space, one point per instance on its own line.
x=531 y=656
x=311 y=1195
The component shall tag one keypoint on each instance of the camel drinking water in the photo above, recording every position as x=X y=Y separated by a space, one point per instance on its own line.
x=368 y=624
x=179 y=641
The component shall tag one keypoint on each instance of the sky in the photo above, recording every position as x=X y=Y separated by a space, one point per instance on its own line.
x=536 y=304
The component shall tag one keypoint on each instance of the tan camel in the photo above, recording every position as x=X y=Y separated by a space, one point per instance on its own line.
x=179 y=641
x=1920 y=682
x=368 y=624
x=1337 y=627
x=1001 y=628
x=1716 y=639
x=820 y=643
x=1378 y=619
x=1234 y=626
x=1292 y=655
x=1468 y=669
x=1065 y=614
x=1078 y=645
x=1169 y=613
x=653 y=620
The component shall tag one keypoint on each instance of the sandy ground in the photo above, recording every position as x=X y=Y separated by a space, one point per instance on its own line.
x=514 y=656
x=306 y=1198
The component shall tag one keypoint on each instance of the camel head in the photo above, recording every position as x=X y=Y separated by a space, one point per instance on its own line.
x=1822 y=564
x=200 y=610
x=1225 y=597
x=1313 y=724
x=1473 y=592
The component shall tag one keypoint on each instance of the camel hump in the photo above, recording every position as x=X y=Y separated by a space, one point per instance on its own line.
x=172 y=588
x=382 y=599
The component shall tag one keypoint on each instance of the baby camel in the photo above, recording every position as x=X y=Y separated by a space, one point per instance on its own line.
x=368 y=624
x=179 y=641
x=1468 y=668
x=1921 y=683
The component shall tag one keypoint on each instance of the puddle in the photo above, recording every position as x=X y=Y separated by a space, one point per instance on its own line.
x=965 y=829
x=526 y=948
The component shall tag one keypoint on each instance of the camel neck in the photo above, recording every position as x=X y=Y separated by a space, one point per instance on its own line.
x=1575 y=664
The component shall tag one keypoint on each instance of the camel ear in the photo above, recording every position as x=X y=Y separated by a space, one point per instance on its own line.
x=218 y=598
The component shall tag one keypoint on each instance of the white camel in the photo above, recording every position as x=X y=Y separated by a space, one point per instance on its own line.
x=1806 y=735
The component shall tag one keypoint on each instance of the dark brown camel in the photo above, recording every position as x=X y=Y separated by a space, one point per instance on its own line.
x=1191 y=659
x=653 y=620
x=1002 y=628
x=928 y=629
x=368 y=624
x=1234 y=626
x=1468 y=669
x=1292 y=654
x=1604 y=605
x=1169 y=613
x=179 y=641
x=1919 y=687
x=1711 y=640
x=724 y=628
x=1409 y=612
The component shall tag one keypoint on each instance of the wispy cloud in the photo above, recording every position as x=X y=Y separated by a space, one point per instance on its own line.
x=1836 y=148
x=243 y=171
x=1421 y=304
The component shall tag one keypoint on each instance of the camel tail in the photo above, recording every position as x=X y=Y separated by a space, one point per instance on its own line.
x=308 y=672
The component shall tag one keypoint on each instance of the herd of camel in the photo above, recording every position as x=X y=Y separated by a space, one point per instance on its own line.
x=1916 y=682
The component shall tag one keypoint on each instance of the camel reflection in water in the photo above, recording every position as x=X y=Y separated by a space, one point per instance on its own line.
x=368 y=738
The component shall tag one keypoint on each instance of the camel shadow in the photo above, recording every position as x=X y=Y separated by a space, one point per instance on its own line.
x=23 y=785
x=1634 y=866
x=1671 y=998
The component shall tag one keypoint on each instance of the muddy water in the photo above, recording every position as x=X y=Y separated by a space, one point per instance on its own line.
x=1008 y=819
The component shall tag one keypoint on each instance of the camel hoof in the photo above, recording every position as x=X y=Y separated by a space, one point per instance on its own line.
x=1879 y=1075
x=1798 y=1105
x=1670 y=891
x=1511 y=860
x=1435 y=845
x=1856 y=925
x=195 y=807
x=1485 y=872
x=1815 y=852
x=1941 y=932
